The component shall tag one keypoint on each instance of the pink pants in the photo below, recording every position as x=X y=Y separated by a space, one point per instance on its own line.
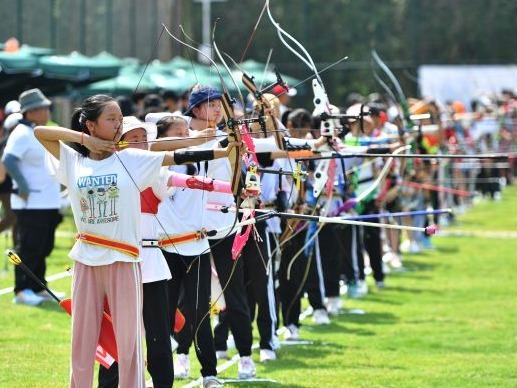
x=121 y=283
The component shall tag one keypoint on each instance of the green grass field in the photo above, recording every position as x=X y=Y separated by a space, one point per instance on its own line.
x=448 y=321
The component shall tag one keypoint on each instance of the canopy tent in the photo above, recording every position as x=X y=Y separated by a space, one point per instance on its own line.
x=179 y=74
x=31 y=67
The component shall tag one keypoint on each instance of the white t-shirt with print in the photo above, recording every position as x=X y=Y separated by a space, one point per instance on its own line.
x=105 y=199
x=44 y=190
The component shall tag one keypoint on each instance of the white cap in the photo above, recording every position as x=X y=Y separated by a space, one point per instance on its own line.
x=12 y=121
x=355 y=110
x=131 y=122
x=12 y=106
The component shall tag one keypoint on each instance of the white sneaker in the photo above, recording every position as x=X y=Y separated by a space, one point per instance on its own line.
x=222 y=355
x=396 y=262
x=405 y=245
x=275 y=342
x=362 y=287
x=267 y=355
x=246 y=368
x=334 y=305
x=320 y=317
x=47 y=297
x=182 y=367
x=292 y=333
x=28 y=297
x=414 y=247
x=211 y=382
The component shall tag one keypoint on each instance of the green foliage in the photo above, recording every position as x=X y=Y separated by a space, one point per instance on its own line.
x=448 y=320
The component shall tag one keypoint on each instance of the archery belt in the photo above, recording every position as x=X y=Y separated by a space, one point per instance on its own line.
x=119 y=246
x=177 y=239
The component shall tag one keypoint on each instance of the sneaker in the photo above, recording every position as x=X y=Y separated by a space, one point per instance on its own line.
x=405 y=245
x=396 y=262
x=222 y=355
x=320 y=317
x=267 y=355
x=414 y=247
x=28 y=297
x=334 y=305
x=211 y=382
x=275 y=343
x=380 y=284
x=292 y=333
x=182 y=367
x=358 y=289
x=47 y=297
x=246 y=368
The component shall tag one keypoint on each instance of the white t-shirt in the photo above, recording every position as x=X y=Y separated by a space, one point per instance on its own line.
x=269 y=188
x=44 y=190
x=105 y=200
x=218 y=169
x=154 y=265
x=181 y=213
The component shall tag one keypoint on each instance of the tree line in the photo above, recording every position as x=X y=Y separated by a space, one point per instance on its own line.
x=406 y=33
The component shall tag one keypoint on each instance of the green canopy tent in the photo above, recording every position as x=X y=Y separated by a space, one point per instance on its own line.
x=31 y=68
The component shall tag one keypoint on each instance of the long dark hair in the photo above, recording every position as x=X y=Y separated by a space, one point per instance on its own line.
x=90 y=109
x=164 y=123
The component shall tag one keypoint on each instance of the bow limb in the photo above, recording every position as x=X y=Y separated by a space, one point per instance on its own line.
x=401 y=96
x=281 y=33
x=352 y=202
x=216 y=49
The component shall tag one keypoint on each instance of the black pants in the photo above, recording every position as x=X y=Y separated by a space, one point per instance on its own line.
x=35 y=241
x=260 y=287
x=237 y=314
x=291 y=275
x=372 y=242
x=258 y=274
x=191 y=275
x=157 y=335
x=331 y=246
x=353 y=259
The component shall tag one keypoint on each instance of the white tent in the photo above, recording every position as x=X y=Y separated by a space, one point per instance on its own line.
x=465 y=82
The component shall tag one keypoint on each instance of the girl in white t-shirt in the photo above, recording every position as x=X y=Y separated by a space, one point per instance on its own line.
x=104 y=187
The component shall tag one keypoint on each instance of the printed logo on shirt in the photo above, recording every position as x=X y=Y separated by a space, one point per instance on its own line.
x=99 y=198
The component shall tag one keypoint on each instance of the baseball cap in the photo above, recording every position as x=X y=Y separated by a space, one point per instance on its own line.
x=201 y=95
x=355 y=110
x=131 y=122
x=280 y=89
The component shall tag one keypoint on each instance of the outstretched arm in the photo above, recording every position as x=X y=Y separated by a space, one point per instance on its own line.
x=193 y=156
x=174 y=143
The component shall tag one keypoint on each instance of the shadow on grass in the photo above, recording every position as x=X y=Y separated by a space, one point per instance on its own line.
x=373 y=318
x=454 y=249
x=378 y=298
x=417 y=266
x=411 y=290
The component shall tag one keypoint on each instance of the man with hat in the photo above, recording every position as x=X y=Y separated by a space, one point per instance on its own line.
x=35 y=199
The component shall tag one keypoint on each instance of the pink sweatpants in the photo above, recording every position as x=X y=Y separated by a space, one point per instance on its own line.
x=121 y=283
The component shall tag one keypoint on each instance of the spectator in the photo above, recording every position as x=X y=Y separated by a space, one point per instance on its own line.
x=35 y=200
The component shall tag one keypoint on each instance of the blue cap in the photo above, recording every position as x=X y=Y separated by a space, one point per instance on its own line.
x=201 y=95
